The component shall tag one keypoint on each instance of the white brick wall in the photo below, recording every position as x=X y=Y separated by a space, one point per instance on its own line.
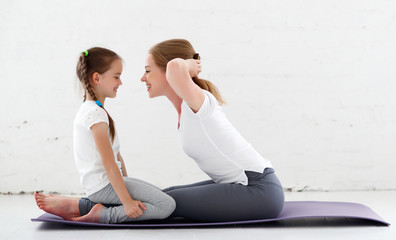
x=311 y=84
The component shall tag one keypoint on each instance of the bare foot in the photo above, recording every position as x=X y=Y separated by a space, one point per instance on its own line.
x=64 y=207
x=93 y=216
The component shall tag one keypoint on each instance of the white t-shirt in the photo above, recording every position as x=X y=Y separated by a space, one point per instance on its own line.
x=86 y=156
x=215 y=145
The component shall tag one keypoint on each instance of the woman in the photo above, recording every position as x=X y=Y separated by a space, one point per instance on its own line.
x=243 y=184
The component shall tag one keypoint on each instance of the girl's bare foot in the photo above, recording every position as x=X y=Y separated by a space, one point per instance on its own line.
x=64 y=207
x=93 y=216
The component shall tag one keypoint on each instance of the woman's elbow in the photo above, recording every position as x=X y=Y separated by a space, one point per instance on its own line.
x=174 y=65
x=175 y=69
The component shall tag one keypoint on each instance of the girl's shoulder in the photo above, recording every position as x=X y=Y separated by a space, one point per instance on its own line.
x=90 y=107
x=90 y=113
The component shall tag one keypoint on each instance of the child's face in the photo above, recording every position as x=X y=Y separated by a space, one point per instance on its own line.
x=111 y=80
x=155 y=78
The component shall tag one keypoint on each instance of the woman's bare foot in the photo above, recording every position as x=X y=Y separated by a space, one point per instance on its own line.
x=93 y=216
x=64 y=207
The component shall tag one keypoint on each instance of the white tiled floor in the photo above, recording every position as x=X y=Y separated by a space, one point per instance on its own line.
x=16 y=212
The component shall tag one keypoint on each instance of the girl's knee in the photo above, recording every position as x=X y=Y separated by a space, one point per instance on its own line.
x=172 y=204
x=168 y=207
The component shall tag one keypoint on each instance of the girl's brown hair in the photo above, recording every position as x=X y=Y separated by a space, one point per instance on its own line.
x=95 y=60
x=165 y=51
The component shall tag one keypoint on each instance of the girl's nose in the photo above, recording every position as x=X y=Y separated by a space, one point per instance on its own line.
x=143 y=78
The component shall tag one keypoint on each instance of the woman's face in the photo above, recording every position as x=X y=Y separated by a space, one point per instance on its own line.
x=155 y=78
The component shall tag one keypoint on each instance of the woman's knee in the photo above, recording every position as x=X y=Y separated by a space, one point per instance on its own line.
x=276 y=203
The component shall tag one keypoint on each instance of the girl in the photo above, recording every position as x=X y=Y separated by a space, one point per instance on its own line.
x=243 y=184
x=96 y=149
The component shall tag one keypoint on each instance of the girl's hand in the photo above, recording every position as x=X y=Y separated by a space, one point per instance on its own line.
x=194 y=67
x=134 y=208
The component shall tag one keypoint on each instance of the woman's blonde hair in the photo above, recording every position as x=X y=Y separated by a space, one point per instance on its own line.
x=165 y=51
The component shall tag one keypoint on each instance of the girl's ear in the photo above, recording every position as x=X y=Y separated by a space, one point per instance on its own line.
x=95 y=78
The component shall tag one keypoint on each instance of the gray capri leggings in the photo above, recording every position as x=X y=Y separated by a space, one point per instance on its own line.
x=159 y=205
x=262 y=198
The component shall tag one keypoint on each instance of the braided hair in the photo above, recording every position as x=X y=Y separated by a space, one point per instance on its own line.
x=95 y=60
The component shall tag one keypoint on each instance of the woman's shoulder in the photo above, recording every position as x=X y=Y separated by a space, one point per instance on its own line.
x=210 y=97
x=209 y=105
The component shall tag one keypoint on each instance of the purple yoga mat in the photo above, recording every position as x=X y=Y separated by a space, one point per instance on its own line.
x=291 y=210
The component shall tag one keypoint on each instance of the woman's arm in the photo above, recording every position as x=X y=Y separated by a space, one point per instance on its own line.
x=124 y=171
x=132 y=207
x=179 y=73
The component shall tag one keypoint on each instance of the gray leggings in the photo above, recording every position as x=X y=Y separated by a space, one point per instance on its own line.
x=208 y=201
x=159 y=205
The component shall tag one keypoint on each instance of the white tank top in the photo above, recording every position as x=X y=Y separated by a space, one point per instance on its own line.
x=216 y=146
